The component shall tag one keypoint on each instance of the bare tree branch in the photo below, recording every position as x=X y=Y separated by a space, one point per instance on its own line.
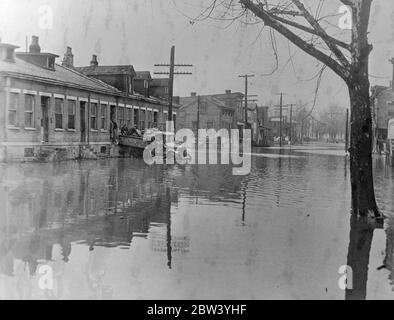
x=311 y=31
x=261 y=12
x=322 y=33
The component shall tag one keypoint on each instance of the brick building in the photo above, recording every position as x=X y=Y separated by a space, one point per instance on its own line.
x=159 y=88
x=213 y=113
x=216 y=111
x=142 y=83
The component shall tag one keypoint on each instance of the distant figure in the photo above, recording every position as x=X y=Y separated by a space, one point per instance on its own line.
x=380 y=146
x=135 y=132
x=114 y=131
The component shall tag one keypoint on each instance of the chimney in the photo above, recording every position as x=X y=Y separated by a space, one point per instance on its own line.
x=68 y=60
x=193 y=94
x=228 y=91
x=34 y=46
x=94 y=62
x=176 y=99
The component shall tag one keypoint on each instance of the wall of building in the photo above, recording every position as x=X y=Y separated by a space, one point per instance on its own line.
x=210 y=119
x=21 y=142
x=121 y=82
x=384 y=109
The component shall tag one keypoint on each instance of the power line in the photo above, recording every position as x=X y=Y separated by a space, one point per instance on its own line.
x=246 y=76
x=171 y=73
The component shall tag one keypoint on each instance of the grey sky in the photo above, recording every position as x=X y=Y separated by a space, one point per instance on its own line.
x=141 y=33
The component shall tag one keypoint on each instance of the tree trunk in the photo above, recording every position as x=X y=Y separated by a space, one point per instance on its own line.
x=363 y=194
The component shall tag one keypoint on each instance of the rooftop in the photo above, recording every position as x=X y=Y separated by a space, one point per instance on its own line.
x=106 y=70
x=145 y=75
x=61 y=75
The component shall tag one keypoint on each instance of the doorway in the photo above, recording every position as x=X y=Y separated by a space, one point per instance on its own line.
x=45 y=118
x=83 y=120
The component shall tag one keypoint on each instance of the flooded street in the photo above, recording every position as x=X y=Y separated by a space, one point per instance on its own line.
x=119 y=229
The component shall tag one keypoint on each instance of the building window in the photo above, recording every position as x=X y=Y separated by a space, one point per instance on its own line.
x=93 y=116
x=103 y=117
x=142 y=120
x=120 y=116
x=71 y=114
x=59 y=104
x=203 y=107
x=12 y=109
x=51 y=63
x=130 y=116
x=155 y=118
x=29 y=110
x=149 y=119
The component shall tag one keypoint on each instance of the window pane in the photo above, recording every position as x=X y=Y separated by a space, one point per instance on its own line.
x=12 y=117
x=93 y=116
x=103 y=110
x=93 y=109
x=29 y=102
x=58 y=121
x=28 y=119
x=58 y=105
x=14 y=101
x=103 y=116
x=71 y=107
x=29 y=107
x=71 y=121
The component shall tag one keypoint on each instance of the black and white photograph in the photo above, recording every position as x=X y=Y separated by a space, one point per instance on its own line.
x=196 y=150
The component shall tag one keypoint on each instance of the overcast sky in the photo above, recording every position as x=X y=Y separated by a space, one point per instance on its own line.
x=141 y=32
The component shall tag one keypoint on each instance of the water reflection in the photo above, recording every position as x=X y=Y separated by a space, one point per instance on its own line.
x=119 y=229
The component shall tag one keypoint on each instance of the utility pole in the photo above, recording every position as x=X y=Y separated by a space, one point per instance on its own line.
x=198 y=115
x=291 y=123
x=347 y=131
x=280 y=118
x=171 y=73
x=246 y=76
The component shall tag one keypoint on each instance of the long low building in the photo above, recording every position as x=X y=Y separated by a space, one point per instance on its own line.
x=50 y=111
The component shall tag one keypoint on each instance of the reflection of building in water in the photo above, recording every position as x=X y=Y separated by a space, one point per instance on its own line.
x=98 y=203
x=213 y=182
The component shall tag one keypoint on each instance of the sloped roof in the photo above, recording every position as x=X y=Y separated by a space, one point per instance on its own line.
x=105 y=70
x=189 y=101
x=61 y=75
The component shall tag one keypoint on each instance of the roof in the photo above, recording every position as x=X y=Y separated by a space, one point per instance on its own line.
x=61 y=75
x=7 y=45
x=190 y=101
x=36 y=54
x=145 y=75
x=285 y=121
x=105 y=70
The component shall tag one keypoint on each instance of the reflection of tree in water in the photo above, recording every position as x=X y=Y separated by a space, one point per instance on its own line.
x=388 y=262
x=361 y=234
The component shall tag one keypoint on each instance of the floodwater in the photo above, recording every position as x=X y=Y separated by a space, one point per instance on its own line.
x=119 y=229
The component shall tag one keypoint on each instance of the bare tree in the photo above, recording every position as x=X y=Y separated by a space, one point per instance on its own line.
x=334 y=120
x=307 y=26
